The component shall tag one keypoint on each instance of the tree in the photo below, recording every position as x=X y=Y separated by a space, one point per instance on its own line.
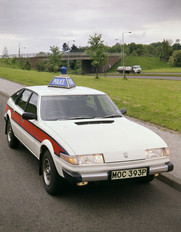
x=5 y=53
x=27 y=64
x=54 y=59
x=41 y=54
x=156 y=44
x=175 y=59
x=115 y=48
x=132 y=47
x=97 y=52
x=166 y=50
x=65 y=47
x=176 y=46
x=74 y=48
x=149 y=50
x=41 y=65
x=13 y=61
x=140 y=49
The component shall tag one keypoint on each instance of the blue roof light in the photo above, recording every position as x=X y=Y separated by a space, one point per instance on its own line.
x=63 y=70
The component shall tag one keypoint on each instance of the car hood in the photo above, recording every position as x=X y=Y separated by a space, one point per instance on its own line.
x=119 y=139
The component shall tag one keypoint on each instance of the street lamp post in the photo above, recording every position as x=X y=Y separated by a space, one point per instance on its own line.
x=19 y=50
x=124 y=76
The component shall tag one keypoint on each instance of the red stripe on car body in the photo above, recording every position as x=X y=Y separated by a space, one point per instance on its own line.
x=35 y=131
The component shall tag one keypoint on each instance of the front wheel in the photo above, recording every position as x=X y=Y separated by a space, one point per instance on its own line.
x=50 y=174
x=13 y=142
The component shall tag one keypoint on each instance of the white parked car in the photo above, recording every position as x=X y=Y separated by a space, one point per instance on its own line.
x=129 y=69
x=126 y=69
x=80 y=135
x=136 y=69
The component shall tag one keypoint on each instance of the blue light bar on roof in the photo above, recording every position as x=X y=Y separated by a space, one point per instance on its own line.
x=62 y=82
x=63 y=70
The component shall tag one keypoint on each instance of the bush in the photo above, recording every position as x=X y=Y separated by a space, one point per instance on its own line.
x=14 y=61
x=49 y=67
x=27 y=64
x=41 y=65
x=175 y=59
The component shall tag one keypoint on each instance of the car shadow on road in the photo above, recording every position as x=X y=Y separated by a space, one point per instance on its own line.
x=129 y=189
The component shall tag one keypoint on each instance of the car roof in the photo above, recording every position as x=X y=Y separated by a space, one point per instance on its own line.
x=44 y=90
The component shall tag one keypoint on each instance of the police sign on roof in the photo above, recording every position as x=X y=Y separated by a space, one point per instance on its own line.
x=62 y=81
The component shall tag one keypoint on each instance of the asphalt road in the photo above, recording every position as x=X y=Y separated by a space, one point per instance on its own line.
x=25 y=206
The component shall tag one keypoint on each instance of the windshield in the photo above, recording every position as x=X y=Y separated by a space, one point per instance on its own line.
x=77 y=107
x=137 y=66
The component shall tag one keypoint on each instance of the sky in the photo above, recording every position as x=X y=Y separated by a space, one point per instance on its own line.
x=35 y=25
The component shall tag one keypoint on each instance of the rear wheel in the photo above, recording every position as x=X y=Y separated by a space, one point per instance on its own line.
x=13 y=142
x=50 y=174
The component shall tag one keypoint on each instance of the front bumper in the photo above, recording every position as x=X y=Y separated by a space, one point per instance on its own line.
x=103 y=176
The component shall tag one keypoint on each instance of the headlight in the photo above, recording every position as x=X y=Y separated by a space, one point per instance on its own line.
x=83 y=159
x=90 y=159
x=158 y=152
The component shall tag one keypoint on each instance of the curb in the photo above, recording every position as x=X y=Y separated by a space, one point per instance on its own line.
x=170 y=180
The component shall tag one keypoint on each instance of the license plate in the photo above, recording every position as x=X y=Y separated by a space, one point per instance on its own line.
x=128 y=173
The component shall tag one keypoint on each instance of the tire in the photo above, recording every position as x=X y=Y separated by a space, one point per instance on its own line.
x=13 y=142
x=147 y=179
x=50 y=174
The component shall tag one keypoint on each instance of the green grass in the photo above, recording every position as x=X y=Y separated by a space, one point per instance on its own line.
x=147 y=63
x=165 y=70
x=155 y=101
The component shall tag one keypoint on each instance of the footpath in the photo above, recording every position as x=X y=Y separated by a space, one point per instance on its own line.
x=172 y=138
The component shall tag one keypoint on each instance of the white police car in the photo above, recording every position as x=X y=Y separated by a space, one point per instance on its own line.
x=78 y=133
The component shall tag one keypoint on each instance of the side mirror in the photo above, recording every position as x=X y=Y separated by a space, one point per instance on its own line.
x=123 y=111
x=29 y=116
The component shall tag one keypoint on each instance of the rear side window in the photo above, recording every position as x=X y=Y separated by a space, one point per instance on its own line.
x=16 y=95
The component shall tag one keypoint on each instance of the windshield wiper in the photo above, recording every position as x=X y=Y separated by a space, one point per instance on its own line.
x=113 y=116
x=79 y=117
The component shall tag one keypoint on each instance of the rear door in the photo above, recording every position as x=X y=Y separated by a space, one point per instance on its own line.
x=17 y=120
